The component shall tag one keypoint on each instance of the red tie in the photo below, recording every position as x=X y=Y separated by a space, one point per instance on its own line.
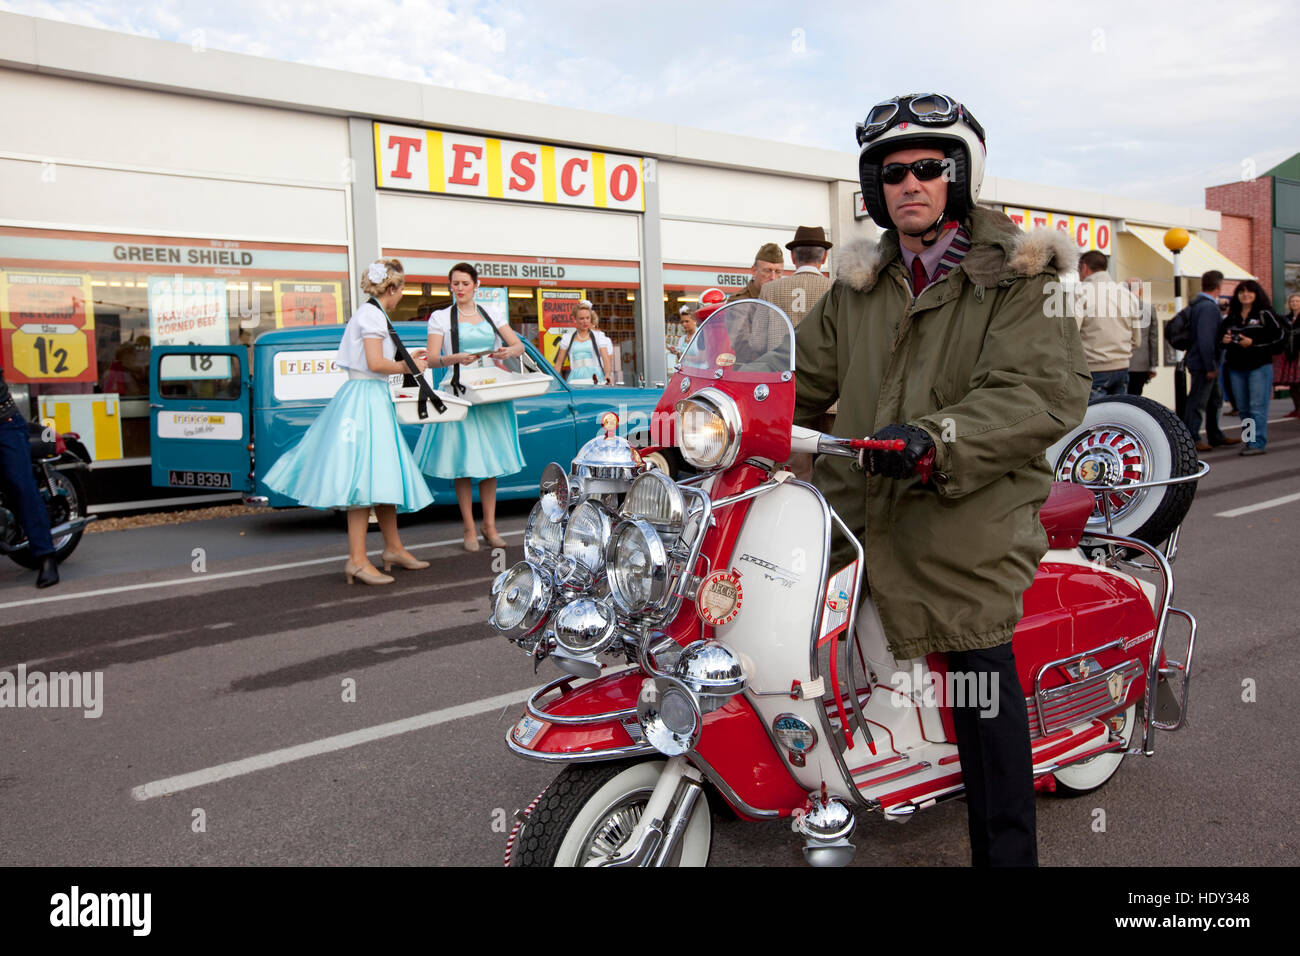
x=918 y=275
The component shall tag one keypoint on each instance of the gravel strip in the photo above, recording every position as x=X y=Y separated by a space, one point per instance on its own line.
x=183 y=516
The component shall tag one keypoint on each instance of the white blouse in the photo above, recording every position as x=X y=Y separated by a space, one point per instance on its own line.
x=366 y=323
x=440 y=324
x=602 y=340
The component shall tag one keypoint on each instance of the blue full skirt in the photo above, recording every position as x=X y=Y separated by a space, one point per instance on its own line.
x=352 y=456
x=483 y=444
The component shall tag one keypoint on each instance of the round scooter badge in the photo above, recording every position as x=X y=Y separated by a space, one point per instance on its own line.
x=720 y=597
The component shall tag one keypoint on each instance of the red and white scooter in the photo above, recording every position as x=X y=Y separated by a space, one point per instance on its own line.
x=709 y=648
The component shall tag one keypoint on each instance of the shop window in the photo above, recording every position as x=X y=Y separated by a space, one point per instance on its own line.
x=73 y=331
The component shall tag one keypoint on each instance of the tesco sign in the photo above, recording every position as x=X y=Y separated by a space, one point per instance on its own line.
x=1088 y=234
x=428 y=160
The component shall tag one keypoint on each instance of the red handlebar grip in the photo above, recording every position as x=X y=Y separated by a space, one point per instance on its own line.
x=889 y=444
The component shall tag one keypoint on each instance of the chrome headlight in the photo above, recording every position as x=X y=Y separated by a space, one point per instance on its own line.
x=637 y=566
x=708 y=429
x=543 y=536
x=712 y=670
x=655 y=498
x=585 y=626
x=553 y=492
x=522 y=599
x=585 y=535
x=669 y=716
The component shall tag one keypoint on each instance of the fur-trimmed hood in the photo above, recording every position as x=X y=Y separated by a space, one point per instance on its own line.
x=999 y=251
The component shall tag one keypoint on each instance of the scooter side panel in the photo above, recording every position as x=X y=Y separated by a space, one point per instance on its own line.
x=1072 y=607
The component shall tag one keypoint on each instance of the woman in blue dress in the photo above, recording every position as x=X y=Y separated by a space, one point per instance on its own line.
x=485 y=443
x=588 y=359
x=353 y=456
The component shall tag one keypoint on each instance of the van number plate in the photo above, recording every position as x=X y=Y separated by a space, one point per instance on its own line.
x=199 y=479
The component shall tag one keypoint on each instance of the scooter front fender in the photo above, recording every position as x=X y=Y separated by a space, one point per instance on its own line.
x=597 y=722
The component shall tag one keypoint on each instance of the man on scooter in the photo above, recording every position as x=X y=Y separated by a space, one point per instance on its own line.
x=950 y=335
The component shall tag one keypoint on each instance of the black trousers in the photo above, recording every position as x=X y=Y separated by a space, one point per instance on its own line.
x=996 y=764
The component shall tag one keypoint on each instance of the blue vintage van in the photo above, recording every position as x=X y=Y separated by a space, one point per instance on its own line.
x=214 y=426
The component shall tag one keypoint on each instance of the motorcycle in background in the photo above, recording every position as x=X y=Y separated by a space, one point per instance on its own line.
x=61 y=470
x=709 y=647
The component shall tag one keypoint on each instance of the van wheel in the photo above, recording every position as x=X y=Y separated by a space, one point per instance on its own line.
x=1127 y=439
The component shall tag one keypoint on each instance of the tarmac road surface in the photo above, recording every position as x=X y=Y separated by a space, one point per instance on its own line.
x=257 y=710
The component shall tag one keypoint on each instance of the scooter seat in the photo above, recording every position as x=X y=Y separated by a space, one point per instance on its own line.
x=1065 y=512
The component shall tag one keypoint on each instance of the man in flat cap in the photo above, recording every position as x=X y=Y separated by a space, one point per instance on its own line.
x=797 y=294
x=768 y=263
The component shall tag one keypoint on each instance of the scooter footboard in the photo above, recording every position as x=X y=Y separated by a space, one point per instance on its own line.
x=586 y=724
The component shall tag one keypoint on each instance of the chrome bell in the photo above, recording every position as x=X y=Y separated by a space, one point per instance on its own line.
x=826 y=829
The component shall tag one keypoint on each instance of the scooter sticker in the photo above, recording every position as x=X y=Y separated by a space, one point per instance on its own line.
x=526 y=730
x=839 y=600
x=720 y=597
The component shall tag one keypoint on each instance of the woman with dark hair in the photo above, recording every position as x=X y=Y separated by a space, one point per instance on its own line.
x=1252 y=333
x=485 y=443
x=1286 y=364
x=353 y=456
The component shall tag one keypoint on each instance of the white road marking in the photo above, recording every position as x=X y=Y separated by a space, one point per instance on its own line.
x=1271 y=503
x=177 y=582
x=1228 y=428
x=238 y=768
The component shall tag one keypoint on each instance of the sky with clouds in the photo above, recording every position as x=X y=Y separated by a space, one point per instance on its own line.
x=1150 y=99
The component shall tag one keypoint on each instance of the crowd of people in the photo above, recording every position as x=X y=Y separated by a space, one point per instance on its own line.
x=1241 y=349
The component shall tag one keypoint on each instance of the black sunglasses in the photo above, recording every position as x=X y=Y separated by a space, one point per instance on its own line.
x=923 y=169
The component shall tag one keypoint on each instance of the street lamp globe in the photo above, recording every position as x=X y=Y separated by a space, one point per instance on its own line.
x=1176 y=239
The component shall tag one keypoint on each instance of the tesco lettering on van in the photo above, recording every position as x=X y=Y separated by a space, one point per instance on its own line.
x=428 y=160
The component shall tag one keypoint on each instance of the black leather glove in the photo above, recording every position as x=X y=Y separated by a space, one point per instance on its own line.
x=896 y=464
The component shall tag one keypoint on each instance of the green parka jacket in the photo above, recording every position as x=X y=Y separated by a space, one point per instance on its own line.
x=990 y=364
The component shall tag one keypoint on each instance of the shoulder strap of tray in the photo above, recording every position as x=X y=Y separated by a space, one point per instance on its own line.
x=413 y=377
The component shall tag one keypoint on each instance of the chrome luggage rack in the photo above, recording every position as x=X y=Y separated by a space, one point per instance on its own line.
x=1102 y=493
x=1118 y=555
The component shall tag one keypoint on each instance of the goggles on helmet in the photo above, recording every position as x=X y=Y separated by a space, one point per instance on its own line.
x=928 y=109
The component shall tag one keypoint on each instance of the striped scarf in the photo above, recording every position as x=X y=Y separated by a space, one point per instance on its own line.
x=954 y=254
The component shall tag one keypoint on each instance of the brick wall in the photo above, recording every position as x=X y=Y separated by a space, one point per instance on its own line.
x=1252 y=202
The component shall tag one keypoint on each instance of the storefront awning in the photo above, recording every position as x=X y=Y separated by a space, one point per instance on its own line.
x=1198 y=258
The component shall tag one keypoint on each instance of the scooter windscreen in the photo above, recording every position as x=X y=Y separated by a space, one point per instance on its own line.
x=748 y=336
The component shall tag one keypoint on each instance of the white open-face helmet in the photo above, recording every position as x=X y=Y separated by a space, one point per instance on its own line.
x=929 y=120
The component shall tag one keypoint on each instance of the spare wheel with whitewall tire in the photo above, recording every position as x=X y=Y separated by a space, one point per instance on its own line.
x=1125 y=440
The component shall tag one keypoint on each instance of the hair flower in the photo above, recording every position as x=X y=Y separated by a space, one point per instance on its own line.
x=377 y=272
